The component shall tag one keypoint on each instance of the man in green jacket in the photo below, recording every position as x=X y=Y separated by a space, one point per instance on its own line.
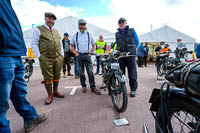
x=47 y=48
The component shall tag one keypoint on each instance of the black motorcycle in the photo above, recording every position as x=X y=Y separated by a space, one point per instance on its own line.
x=165 y=63
x=28 y=64
x=181 y=55
x=176 y=105
x=162 y=64
x=114 y=80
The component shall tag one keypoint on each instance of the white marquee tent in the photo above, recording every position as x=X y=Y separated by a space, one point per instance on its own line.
x=168 y=35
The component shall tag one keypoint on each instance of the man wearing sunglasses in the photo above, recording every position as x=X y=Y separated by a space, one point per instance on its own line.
x=127 y=41
x=82 y=44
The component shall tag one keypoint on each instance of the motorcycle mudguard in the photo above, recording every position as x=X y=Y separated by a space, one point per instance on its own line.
x=173 y=92
x=121 y=78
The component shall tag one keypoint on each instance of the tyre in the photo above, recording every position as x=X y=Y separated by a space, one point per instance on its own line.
x=184 y=117
x=28 y=71
x=160 y=68
x=119 y=95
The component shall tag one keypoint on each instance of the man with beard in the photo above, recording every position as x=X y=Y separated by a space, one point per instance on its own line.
x=84 y=45
x=47 y=48
x=127 y=41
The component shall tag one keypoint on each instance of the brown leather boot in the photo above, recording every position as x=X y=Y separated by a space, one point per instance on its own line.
x=55 y=91
x=69 y=74
x=49 y=98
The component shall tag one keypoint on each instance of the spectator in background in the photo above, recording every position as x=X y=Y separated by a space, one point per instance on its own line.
x=180 y=43
x=166 y=50
x=67 y=55
x=146 y=53
x=140 y=54
x=158 y=50
x=198 y=51
x=100 y=50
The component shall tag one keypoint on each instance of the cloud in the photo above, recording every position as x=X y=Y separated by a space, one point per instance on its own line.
x=173 y=2
x=32 y=11
x=140 y=14
x=182 y=15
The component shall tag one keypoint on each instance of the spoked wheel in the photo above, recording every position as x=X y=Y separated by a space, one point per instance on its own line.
x=184 y=117
x=28 y=71
x=119 y=95
x=161 y=69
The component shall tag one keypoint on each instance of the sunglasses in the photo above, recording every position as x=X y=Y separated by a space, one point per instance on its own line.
x=82 y=24
x=121 y=22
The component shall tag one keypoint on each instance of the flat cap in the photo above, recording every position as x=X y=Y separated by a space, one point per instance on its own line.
x=49 y=14
x=121 y=19
x=66 y=34
x=82 y=21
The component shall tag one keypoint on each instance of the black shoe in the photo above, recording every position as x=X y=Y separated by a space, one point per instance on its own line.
x=97 y=92
x=29 y=126
x=84 y=89
x=133 y=93
x=96 y=73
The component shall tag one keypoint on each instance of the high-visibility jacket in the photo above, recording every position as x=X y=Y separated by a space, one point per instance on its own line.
x=165 y=50
x=102 y=45
x=115 y=46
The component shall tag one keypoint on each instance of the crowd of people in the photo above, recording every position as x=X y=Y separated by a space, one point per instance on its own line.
x=48 y=49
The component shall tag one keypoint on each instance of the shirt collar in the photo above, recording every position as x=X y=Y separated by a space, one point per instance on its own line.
x=47 y=26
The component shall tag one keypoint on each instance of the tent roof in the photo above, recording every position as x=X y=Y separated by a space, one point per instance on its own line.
x=166 y=34
x=70 y=24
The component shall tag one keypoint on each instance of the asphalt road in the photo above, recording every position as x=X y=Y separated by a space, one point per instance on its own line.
x=88 y=113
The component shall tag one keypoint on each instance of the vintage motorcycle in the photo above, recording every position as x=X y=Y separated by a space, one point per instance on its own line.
x=28 y=64
x=176 y=105
x=165 y=63
x=114 y=80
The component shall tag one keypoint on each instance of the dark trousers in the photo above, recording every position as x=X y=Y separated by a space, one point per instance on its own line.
x=84 y=61
x=76 y=71
x=66 y=61
x=130 y=63
x=145 y=60
x=98 y=64
x=140 y=61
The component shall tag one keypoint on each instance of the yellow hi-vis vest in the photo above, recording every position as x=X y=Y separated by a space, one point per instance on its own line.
x=102 y=45
x=115 y=46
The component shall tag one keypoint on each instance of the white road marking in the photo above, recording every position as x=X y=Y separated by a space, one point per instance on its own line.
x=74 y=88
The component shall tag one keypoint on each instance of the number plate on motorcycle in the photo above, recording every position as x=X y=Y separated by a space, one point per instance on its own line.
x=121 y=122
x=114 y=65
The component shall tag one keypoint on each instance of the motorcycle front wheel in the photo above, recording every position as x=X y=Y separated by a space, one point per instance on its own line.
x=183 y=117
x=119 y=95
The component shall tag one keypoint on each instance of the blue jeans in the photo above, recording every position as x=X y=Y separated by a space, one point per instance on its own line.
x=13 y=86
x=130 y=63
x=76 y=70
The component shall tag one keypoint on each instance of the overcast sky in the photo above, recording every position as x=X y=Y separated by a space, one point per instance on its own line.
x=182 y=15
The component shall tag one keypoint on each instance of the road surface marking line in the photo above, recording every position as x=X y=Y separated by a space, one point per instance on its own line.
x=74 y=88
x=73 y=91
